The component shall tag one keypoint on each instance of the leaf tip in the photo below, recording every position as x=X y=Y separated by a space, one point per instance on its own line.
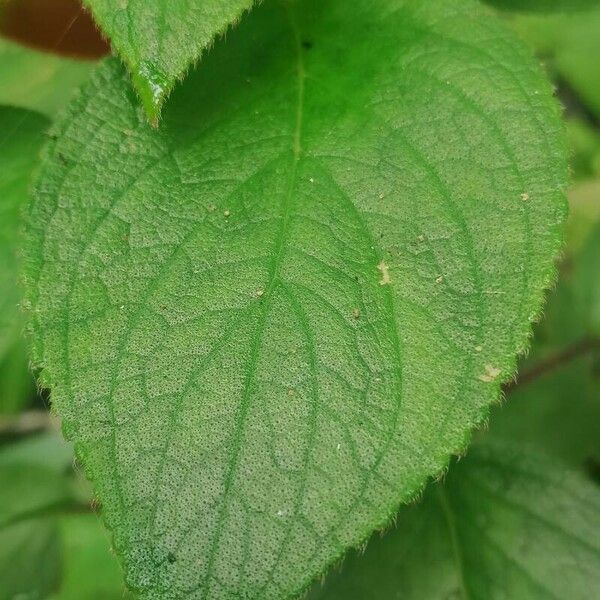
x=153 y=88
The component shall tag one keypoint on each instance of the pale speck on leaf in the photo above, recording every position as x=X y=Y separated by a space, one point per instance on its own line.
x=491 y=374
x=385 y=273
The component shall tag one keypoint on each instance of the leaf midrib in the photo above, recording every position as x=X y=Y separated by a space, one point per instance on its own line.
x=273 y=282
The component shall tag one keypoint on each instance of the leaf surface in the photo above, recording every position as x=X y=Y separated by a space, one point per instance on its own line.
x=160 y=39
x=507 y=523
x=268 y=322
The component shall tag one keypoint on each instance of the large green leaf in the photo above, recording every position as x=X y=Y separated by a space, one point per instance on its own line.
x=21 y=134
x=267 y=323
x=506 y=524
x=160 y=39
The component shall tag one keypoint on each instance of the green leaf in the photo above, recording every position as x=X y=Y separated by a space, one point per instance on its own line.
x=159 y=39
x=20 y=140
x=16 y=381
x=91 y=571
x=29 y=489
x=47 y=545
x=569 y=44
x=267 y=323
x=506 y=524
x=47 y=449
x=545 y=6
x=32 y=491
x=36 y=80
x=559 y=411
x=584 y=140
x=30 y=559
x=586 y=288
x=584 y=216
x=574 y=310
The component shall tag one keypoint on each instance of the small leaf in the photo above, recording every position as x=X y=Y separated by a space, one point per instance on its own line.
x=30 y=559
x=507 y=523
x=160 y=39
x=20 y=140
x=31 y=491
x=36 y=80
x=268 y=322
x=90 y=569
x=568 y=44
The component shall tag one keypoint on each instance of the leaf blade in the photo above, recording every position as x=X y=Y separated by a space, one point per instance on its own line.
x=224 y=267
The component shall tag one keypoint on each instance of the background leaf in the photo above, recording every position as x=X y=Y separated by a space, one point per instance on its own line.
x=30 y=559
x=267 y=323
x=568 y=44
x=36 y=80
x=51 y=545
x=91 y=571
x=33 y=490
x=21 y=135
x=544 y=6
x=505 y=524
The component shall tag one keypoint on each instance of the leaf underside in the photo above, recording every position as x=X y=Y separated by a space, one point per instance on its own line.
x=507 y=523
x=268 y=322
x=160 y=39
